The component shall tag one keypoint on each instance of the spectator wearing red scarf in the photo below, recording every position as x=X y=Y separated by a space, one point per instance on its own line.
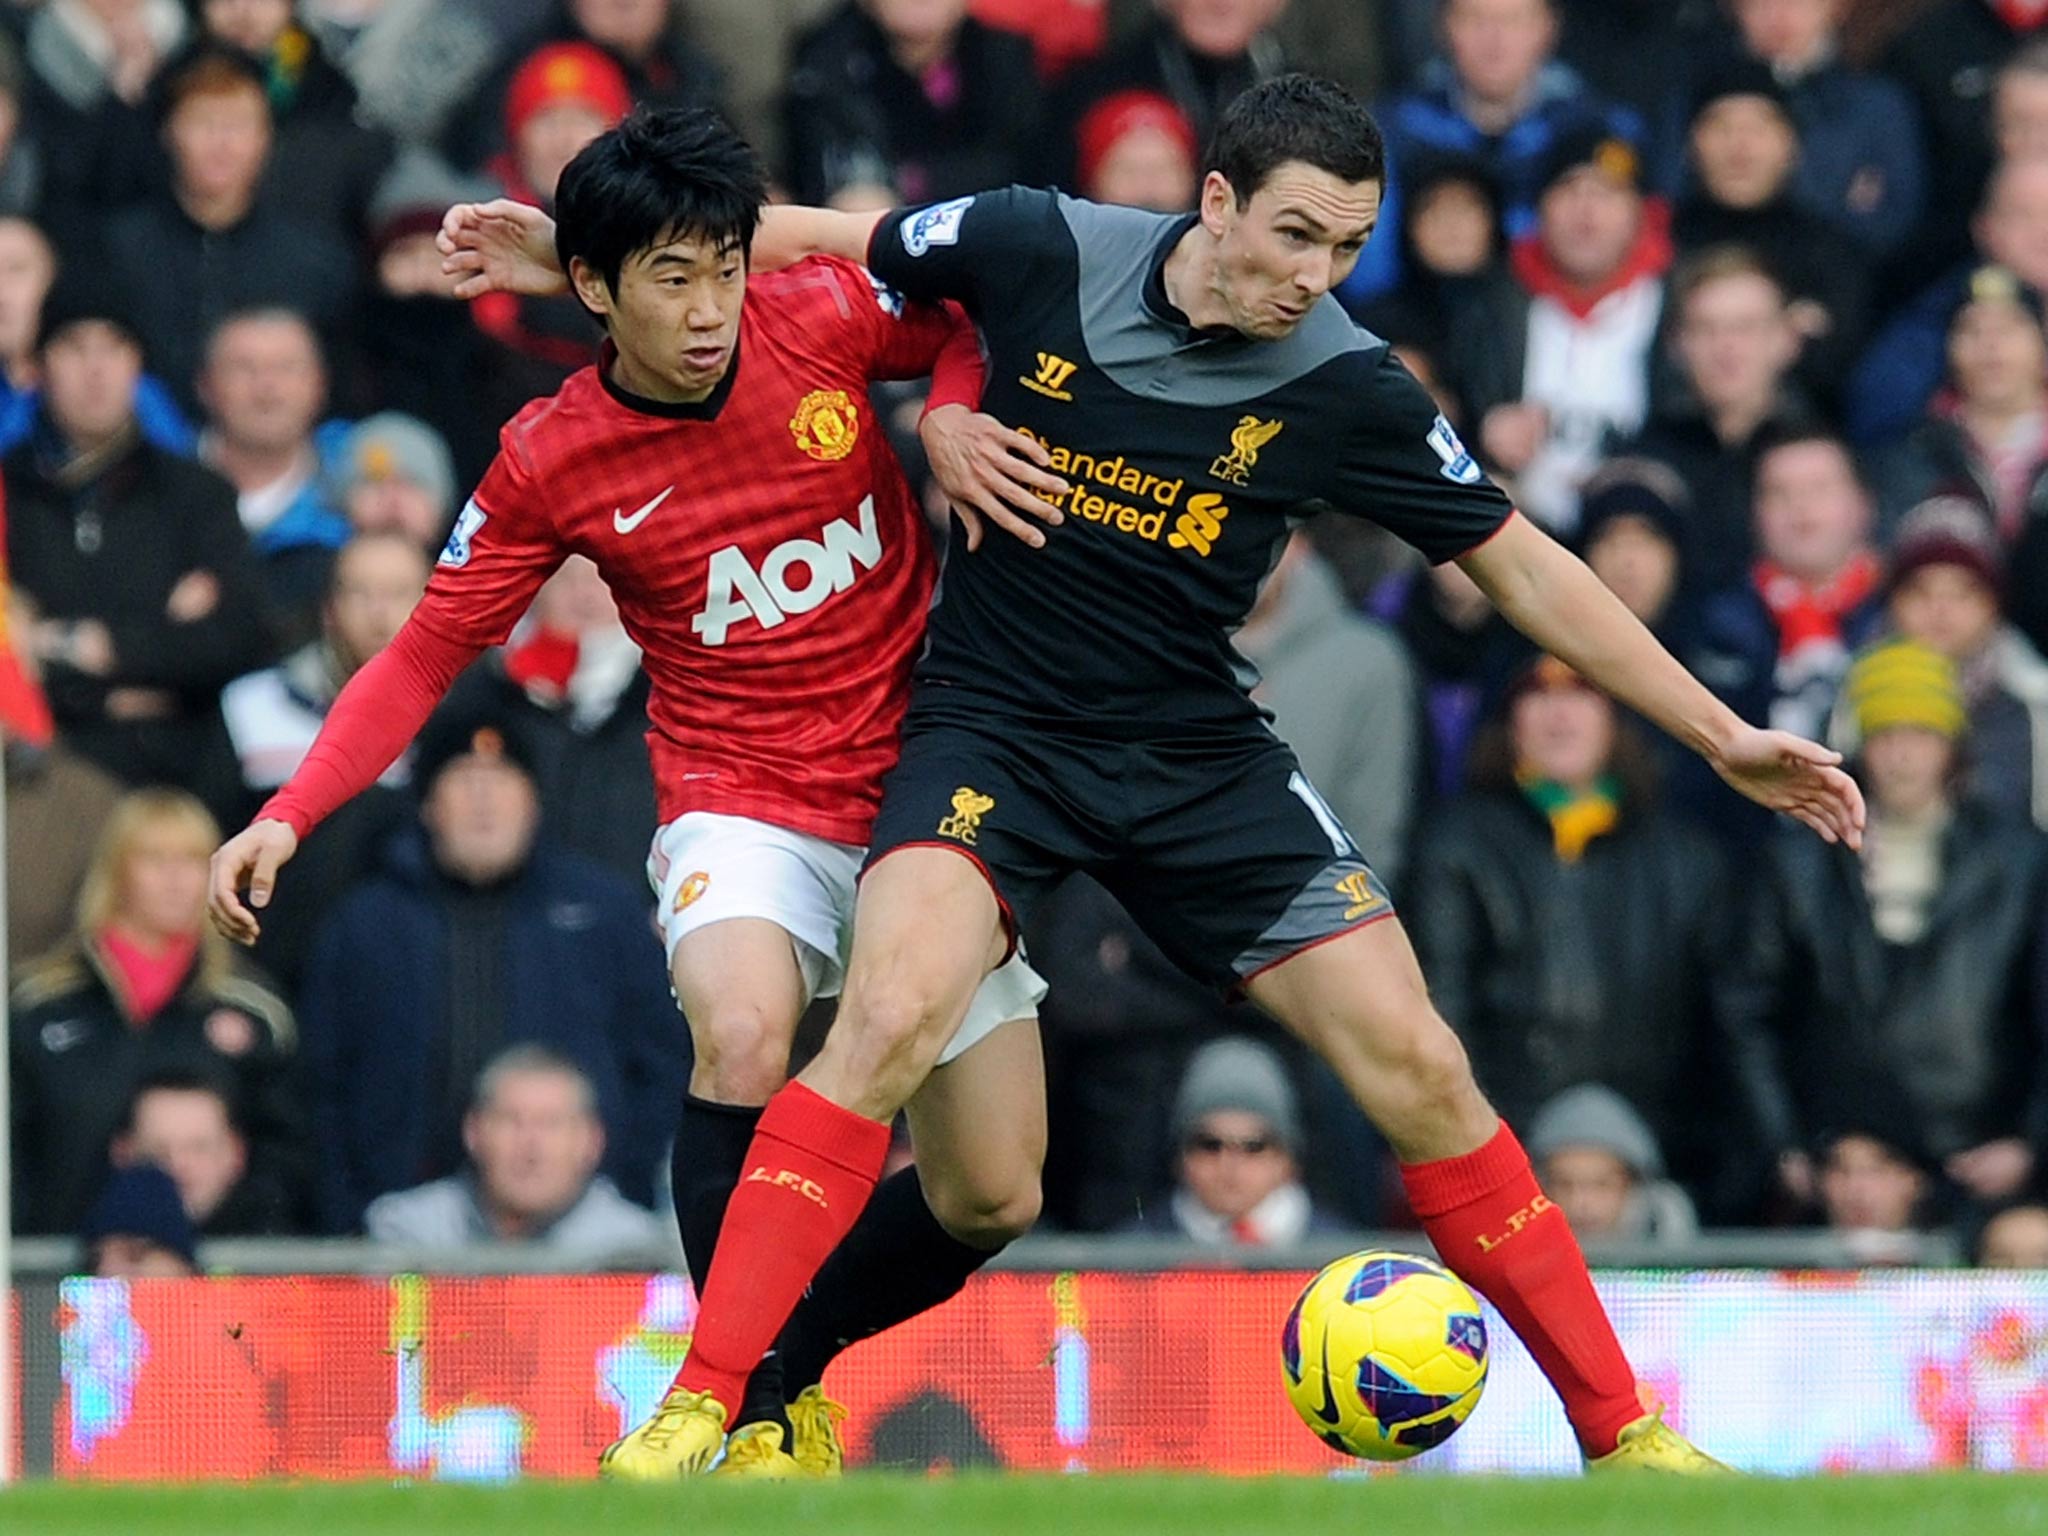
x=1556 y=365
x=1777 y=644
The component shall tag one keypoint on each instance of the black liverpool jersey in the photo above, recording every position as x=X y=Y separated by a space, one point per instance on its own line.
x=1190 y=453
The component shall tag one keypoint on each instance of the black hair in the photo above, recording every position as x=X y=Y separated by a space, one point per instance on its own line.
x=1295 y=117
x=660 y=175
x=207 y=67
x=187 y=1079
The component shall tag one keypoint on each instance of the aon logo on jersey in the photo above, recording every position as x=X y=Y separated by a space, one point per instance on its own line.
x=796 y=577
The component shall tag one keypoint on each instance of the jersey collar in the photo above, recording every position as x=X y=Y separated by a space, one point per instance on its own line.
x=1163 y=309
x=706 y=409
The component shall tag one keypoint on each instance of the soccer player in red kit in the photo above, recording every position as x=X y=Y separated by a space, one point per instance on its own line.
x=722 y=467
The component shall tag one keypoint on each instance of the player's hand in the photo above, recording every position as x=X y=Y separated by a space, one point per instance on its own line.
x=988 y=471
x=1799 y=777
x=500 y=247
x=251 y=859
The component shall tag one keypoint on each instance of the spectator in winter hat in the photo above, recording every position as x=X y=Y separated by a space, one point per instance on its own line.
x=1136 y=148
x=1453 y=255
x=1873 y=1184
x=1635 y=533
x=563 y=96
x=393 y=475
x=1744 y=152
x=1597 y=1159
x=554 y=950
x=149 y=598
x=1560 y=364
x=1862 y=163
x=1911 y=962
x=1946 y=592
x=138 y=1229
x=1237 y=1128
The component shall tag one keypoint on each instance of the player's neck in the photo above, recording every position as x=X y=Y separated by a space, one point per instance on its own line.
x=1191 y=282
x=644 y=385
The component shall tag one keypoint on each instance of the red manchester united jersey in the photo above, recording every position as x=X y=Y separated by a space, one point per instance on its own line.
x=763 y=546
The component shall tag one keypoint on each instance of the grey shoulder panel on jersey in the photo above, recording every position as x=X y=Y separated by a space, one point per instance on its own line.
x=1113 y=254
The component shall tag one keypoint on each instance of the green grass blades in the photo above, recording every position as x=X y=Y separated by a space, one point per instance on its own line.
x=1079 y=1506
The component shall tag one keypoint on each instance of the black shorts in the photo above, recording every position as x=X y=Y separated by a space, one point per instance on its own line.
x=1224 y=854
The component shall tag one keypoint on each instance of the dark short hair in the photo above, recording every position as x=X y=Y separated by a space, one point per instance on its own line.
x=1295 y=117
x=208 y=68
x=184 y=1079
x=660 y=175
x=1804 y=432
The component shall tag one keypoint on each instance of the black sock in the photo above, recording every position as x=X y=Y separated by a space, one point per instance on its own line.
x=896 y=1263
x=710 y=1153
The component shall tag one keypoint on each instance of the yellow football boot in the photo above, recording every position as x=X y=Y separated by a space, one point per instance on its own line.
x=1651 y=1445
x=680 y=1440
x=755 y=1450
x=815 y=1419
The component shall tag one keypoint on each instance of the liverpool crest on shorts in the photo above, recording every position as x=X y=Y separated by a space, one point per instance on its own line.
x=969 y=806
x=826 y=424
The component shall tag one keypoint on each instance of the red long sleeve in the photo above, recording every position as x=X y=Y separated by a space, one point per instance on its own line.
x=959 y=371
x=380 y=710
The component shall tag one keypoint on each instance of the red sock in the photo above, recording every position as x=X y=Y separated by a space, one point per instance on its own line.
x=1499 y=1234
x=810 y=1170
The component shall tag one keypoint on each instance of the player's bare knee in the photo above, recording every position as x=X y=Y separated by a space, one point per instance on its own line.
x=1435 y=1074
x=892 y=1020
x=988 y=1216
x=741 y=1057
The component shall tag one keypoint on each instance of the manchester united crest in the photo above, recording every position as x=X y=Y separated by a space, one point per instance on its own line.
x=826 y=424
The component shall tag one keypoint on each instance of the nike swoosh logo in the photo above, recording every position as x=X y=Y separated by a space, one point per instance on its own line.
x=1327 y=1410
x=627 y=524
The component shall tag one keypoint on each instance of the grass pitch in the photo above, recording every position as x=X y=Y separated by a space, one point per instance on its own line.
x=1092 y=1506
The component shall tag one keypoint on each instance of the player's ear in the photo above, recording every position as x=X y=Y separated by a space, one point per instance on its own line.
x=590 y=287
x=1219 y=203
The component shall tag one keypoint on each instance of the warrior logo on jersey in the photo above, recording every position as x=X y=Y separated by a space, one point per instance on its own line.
x=969 y=806
x=1246 y=439
x=826 y=424
x=936 y=225
x=1459 y=466
x=460 y=538
x=1053 y=373
x=1356 y=888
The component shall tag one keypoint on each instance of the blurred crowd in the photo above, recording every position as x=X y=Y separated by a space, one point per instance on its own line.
x=1741 y=298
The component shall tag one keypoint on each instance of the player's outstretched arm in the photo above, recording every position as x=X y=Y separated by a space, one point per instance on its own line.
x=506 y=247
x=1547 y=593
x=789 y=233
x=500 y=247
x=372 y=719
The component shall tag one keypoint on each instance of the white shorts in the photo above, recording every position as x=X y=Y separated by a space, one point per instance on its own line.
x=707 y=868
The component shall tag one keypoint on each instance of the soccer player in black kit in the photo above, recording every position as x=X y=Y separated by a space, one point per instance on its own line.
x=1080 y=707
